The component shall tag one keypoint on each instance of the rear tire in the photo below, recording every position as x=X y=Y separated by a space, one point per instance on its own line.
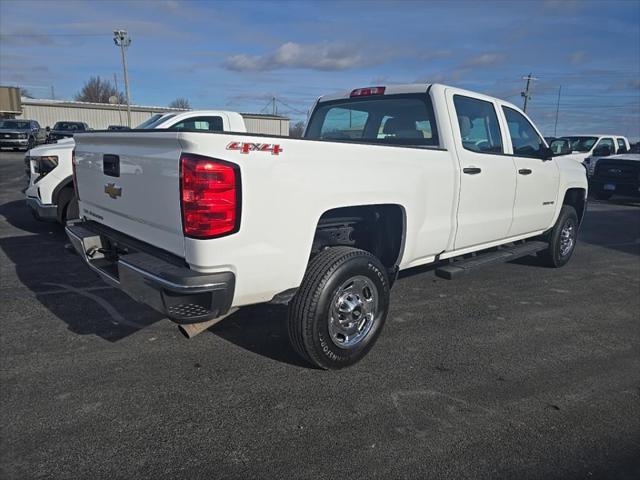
x=562 y=239
x=340 y=308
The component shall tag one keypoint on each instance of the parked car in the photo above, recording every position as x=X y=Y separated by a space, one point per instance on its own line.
x=21 y=134
x=588 y=148
x=50 y=192
x=118 y=127
x=616 y=175
x=385 y=179
x=66 y=129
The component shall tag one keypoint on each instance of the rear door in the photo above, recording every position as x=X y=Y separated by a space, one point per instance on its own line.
x=487 y=175
x=537 y=179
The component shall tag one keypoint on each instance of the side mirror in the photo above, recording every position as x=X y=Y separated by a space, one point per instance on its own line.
x=546 y=153
x=603 y=151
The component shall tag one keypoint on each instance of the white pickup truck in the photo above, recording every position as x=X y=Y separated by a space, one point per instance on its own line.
x=385 y=179
x=50 y=193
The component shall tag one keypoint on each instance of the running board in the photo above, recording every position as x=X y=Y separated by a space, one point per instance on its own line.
x=504 y=254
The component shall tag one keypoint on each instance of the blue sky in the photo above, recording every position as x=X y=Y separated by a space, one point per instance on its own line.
x=237 y=55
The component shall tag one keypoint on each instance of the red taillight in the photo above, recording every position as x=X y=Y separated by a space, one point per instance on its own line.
x=365 y=92
x=73 y=171
x=210 y=196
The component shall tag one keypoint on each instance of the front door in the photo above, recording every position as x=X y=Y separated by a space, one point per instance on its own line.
x=537 y=179
x=487 y=175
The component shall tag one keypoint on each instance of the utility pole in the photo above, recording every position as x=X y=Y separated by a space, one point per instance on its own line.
x=122 y=40
x=273 y=108
x=115 y=81
x=53 y=93
x=526 y=94
x=555 y=129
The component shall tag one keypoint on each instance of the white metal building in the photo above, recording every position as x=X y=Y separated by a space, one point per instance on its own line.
x=100 y=115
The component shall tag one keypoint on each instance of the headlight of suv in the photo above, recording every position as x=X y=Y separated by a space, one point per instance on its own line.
x=43 y=165
x=22 y=135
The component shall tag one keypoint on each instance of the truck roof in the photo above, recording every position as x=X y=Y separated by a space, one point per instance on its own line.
x=393 y=89
x=593 y=135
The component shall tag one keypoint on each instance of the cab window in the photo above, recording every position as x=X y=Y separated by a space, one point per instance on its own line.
x=604 y=143
x=210 y=124
x=622 y=147
x=404 y=119
x=478 y=123
x=525 y=140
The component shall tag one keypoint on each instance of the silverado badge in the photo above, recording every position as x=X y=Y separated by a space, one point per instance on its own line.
x=113 y=191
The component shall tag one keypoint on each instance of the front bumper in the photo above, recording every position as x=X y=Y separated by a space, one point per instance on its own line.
x=42 y=210
x=624 y=188
x=14 y=142
x=183 y=295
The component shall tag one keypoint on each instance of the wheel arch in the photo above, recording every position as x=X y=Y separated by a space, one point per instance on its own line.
x=66 y=183
x=577 y=198
x=377 y=228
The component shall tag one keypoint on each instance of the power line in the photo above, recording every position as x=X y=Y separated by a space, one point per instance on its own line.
x=45 y=35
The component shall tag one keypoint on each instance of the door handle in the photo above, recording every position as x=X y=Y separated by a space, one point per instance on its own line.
x=524 y=171
x=472 y=170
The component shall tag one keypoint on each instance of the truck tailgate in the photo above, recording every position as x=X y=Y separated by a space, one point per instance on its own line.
x=131 y=183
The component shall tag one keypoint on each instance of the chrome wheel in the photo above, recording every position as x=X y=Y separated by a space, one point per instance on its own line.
x=353 y=311
x=567 y=238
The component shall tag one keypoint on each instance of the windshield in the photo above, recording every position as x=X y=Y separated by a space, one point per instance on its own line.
x=68 y=126
x=155 y=120
x=581 y=144
x=14 y=125
x=386 y=119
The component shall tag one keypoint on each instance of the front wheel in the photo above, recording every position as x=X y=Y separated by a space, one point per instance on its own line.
x=562 y=239
x=340 y=308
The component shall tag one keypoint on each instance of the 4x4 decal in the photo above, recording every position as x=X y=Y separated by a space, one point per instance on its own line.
x=243 y=147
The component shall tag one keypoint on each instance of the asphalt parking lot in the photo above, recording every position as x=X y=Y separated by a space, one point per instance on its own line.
x=516 y=371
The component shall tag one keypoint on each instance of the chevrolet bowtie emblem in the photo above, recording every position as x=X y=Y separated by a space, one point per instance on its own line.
x=113 y=191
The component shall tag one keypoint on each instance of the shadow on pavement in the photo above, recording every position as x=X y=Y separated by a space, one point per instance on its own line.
x=261 y=329
x=63 y=284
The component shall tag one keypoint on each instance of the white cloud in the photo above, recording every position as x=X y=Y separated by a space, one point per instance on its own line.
x=322 y=56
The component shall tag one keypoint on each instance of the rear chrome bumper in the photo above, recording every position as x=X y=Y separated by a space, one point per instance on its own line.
x=181 y=294
x=42 y=210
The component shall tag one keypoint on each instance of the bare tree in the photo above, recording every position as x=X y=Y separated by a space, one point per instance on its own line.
x=296 y=130
x=180 y=102
x=97 y=90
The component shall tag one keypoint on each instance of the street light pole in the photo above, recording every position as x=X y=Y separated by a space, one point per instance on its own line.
x=122 y=40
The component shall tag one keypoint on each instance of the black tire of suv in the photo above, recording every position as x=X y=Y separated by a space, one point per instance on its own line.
x=309 y=311
x=602 y=195
x=552 y=257
x=31 y=144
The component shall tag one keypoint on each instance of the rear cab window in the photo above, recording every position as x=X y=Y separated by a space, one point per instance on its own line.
x=209 y=124
x=400 y=119
x=478 y=124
